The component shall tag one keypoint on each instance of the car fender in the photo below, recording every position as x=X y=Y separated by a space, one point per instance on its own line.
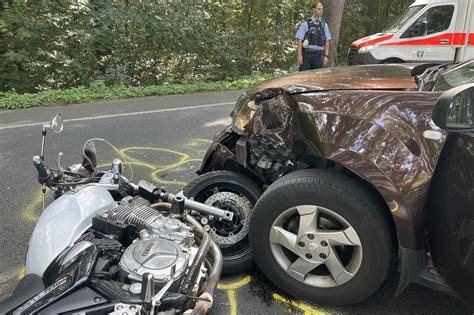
x=387 y=138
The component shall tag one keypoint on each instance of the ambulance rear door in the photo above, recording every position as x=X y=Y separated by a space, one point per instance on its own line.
x=467 y=50
x=431 y=37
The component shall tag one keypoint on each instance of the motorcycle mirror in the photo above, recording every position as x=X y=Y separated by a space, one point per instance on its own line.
x=90 y=156
x=57 y=124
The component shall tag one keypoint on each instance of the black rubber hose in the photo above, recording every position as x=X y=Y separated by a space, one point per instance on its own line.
x=175 y=300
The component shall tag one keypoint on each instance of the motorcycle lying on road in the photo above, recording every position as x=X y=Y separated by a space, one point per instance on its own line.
x=109 y=246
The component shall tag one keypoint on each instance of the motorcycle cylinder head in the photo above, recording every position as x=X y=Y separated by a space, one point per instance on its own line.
x=137 y=211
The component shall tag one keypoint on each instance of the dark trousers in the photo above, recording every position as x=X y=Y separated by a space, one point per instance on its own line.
x=311 y=59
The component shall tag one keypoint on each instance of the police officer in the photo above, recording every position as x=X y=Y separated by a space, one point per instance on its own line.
x=313 y=39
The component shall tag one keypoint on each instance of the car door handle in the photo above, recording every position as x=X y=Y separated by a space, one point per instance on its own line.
x=444 y=41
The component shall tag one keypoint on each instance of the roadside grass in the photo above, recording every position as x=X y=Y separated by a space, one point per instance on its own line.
x=99 y=91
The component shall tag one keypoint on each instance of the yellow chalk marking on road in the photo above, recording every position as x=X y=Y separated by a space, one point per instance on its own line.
x=28 y=212
x=235 y=285
x=198 y=142
x=230 y=288
x=183 y=159
x=232 y=301
x=22 y=273
x=308 y=310
x=156 y=178
x=124 y=151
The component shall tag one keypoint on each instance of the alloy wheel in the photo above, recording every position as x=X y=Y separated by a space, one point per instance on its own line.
x=316 y=246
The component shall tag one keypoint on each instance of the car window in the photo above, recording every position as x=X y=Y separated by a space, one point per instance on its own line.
x=462 y=74
x=435 y=20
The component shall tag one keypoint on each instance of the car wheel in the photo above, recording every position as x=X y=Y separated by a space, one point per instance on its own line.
x=320 y=236
x=233 y=192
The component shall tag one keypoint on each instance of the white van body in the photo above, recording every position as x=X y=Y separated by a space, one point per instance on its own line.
x=437 y=31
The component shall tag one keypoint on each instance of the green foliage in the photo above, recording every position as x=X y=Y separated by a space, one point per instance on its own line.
x=99 y=91
x=62 y=44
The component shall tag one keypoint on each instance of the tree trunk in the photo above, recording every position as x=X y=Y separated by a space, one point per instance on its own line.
x=335 y=20
x=278 y=15
x=245 y=42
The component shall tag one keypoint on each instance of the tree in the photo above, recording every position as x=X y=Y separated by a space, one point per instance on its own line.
x=336 y=7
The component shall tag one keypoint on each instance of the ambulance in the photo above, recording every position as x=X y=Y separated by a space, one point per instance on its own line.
x=436 y=31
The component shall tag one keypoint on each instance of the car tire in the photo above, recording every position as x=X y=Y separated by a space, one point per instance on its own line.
x=239 y=194
x=336 y=203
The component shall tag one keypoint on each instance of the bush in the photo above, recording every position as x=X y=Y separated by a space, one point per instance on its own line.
x=98 y=91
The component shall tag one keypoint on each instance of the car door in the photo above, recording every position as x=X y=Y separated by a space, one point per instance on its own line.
x=450 y=213
x=431 y=35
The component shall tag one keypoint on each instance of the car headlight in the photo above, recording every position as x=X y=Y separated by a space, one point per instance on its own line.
x=243 y=112
x=367 y=48
x=69 y=270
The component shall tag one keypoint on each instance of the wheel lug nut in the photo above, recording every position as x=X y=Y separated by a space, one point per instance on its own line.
x=322 y=256
x=309 y=256
x=324 y=243
x=311 y=236
x=301 y=244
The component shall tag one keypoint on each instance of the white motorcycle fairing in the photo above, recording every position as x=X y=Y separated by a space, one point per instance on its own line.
x=62 y=223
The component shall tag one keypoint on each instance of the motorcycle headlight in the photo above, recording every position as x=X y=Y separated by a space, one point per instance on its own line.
x=72 y=268
x=243 y=112
x=367 y=48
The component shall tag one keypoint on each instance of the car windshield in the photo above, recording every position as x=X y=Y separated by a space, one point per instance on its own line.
x=455 y=76
x=403 y=18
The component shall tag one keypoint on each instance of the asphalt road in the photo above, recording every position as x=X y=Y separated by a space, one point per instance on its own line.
x=167 y=137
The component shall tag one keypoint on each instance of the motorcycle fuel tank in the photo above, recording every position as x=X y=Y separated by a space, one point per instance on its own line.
x=62 y=222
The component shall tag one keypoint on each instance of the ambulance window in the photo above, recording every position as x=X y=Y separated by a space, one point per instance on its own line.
x=435 y=20
x=403 y=18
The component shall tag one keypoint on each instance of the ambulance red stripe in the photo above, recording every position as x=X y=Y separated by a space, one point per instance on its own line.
x=374 y=41
x=457 y=39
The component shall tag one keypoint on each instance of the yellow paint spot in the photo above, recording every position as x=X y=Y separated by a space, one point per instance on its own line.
x=22 y=273
x=308 y=310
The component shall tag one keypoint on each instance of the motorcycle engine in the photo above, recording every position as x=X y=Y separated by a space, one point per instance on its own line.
x=164 y=247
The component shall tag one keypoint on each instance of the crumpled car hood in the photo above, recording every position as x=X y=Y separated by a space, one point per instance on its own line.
x=394 y=76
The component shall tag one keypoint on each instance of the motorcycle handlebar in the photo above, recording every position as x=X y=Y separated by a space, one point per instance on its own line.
x=43 y=173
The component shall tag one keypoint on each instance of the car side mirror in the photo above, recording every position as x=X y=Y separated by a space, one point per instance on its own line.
x=454 y=109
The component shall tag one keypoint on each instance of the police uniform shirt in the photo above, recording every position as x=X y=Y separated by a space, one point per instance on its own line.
x=304 y=28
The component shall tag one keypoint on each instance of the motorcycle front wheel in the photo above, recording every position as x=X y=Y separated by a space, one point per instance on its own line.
x=233 y=192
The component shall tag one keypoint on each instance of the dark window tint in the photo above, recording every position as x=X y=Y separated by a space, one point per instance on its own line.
x=434 y=20
x=456 y=76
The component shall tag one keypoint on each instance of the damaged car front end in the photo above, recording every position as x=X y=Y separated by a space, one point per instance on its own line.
x=367 y=126
x=261 y=139
x=273 y=128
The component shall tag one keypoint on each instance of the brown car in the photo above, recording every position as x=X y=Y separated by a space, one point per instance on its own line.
x=357 y=179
